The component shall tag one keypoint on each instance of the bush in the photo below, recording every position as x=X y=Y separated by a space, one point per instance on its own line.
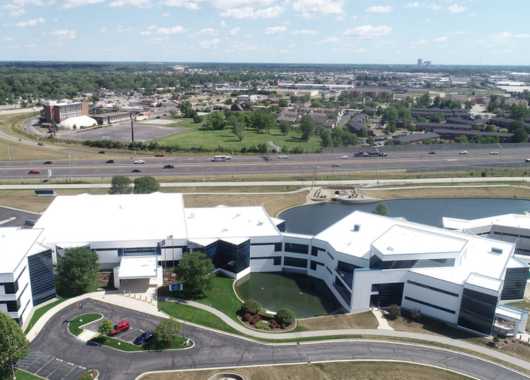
x=285 y=317
x=251 y=306
x=263 y=325
x=393 y=312
x=105 y=328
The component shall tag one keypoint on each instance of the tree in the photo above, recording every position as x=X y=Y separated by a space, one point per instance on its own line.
x=325 y=138
x=215 y=121
x=146 y=185
x=166 y=334
x=77 y=271
x=105 y=328
x=283 y=103
x=186 y=109
x=285 y=317
x=13 y=345
x=284 y=127
x=381 y=209
x=520 y=135
x=120 y=185
x=194 y=270
x=238 y=130
x=263 y=121
x=307 y=127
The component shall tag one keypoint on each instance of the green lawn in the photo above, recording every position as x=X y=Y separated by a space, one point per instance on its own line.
x=222 y=297
x=193 y=315
x=193 y=137
x=39 y=312
x=23 y=375
x=74 y=326
x=130 y=347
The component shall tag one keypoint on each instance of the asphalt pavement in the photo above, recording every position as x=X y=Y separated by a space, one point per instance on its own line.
x=219 y=350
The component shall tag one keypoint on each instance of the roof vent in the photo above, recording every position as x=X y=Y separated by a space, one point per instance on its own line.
x=390 y=249
x=496 y=251
x=356 y=228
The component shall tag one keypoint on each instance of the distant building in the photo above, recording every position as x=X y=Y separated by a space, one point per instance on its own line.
x=56 y=112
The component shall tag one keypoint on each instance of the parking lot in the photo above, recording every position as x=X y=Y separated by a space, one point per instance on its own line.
x=50 y=367
x=10 y=217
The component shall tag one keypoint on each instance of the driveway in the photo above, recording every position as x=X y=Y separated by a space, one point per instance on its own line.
x=220 y=350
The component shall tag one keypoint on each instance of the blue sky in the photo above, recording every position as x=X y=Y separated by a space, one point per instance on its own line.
x=318 y=31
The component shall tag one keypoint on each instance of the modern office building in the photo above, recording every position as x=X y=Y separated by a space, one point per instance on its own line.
x=57 y=112
x=366 y=260
x=26 y=272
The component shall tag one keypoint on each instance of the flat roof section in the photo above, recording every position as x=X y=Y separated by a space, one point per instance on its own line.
x=228 y=222
x=135 y=267
x=15 y=244
x=124 y=217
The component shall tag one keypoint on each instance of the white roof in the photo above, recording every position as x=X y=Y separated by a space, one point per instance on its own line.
x=133 y=267
x=82 y=121
x=521 y=221
x=15 y=244
x=474 y=254
x=107 y=218
x=228 y=222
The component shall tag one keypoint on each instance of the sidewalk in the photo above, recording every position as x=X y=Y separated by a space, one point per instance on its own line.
x=144 y=307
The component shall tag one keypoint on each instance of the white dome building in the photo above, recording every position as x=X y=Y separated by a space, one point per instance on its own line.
x=78 y=122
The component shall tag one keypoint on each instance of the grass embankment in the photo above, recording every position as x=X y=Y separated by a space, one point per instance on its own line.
x=39 y=312
x=192 y=137
x=74 y=326
x=335 y=371
x=336 y=322
x=23 y=375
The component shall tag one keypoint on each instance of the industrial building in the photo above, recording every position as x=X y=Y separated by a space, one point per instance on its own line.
x=366 y=260
x=54 y=112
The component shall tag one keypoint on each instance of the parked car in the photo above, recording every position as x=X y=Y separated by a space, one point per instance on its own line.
x=109 y=161
x=143 y=338
x=138 y=162
x=93 y=343
x=34 y=171
x=169 y=166
x=47 y=162
x=136 y=171
x=120 y=327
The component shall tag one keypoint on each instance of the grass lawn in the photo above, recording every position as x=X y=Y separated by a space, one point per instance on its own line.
x=194 y=137
x=335 y=371
x=117 y=344
x=335 y=322
x=74 y=326
x=39 y=312
x=193 y=315
x=23 y=375
x=221 y=296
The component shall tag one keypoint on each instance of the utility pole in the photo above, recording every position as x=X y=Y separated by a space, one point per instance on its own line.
x=131 y=115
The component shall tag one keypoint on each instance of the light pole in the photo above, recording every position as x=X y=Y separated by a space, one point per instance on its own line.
x=131 y=116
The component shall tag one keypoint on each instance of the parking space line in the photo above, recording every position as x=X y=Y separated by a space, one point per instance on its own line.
x=48 y=362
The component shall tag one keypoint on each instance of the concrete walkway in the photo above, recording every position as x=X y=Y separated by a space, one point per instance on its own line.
x=381 y=320
x=144 y=307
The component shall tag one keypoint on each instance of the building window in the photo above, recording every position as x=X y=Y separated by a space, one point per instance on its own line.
x=277 y=261
x=377 y=263
x=343 y=291
x=429 y=305
x=11 y=306
x=295 y=262
x=296 y=248
x=514 y=283
x=345 y=271
x=315 y=264
x=387 y=294
x=433 y=288
x=314 y=251
x=330 y=256
x=278 y=247
x=146 y=251
x=477 y=311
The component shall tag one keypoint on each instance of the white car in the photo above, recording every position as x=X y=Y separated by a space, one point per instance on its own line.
x=463 y=153
x=138 y=162
x=495 y=153
x=527 y=160
x=345 y=157
x=283 y=157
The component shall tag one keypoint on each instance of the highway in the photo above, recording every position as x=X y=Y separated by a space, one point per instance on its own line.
x=257 y=164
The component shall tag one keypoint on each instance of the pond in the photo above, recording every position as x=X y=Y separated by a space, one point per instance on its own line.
x=306 y=296
x=314 y=218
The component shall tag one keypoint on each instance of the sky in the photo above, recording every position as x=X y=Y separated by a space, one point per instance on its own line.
x=482 y=32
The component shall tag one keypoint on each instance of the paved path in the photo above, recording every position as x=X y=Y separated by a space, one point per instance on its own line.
x=213 y=349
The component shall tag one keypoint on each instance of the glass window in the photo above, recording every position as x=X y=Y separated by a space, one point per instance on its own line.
x=296 y=248
x=295 y=262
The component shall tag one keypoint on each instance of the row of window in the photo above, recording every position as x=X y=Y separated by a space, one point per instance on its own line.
x=12 y=287
x=432 y=288
x=430 y=305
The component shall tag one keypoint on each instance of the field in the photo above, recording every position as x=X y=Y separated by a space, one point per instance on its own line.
x=323 y=371
x=193 y=137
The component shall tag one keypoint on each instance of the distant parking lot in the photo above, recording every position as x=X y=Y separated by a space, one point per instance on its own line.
x=143 y=131
x=15 y=218
x=50 y=367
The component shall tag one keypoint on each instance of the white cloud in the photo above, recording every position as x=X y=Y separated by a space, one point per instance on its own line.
x=80 y=3
x=379 y=9
x=209 y=31
x=30 y=23
x=252 y=13
x=441 y=39
x=276 y=29
x=456 y=8
x=187 y=4
x=155 y=30
x=315 y=7
x=64 y=34
x=329 y=40
x=305 y=32
x=369 y=31
x=511 y=36
x=130 y=3
x=211 y=43
x=18 y=7
x=234 y=31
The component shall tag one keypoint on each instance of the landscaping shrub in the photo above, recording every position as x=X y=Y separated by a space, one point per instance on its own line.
x=105 y=328
x=166 y=334
x=393 y=312
x=263 y=325
x=251 y=306
x=285 y=317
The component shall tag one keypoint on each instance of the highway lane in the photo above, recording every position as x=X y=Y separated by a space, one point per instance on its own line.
x=257 y=164
x=219 y=350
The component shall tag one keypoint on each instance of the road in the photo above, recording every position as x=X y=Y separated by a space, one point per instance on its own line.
x=219 y=350
x=197 y=166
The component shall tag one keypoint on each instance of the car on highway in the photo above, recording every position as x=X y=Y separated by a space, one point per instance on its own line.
x=432 y=152
x=120 y=327
x=361 y=154
x=109 y=161
x=33 y=172
x=376 y=153
x=159 y=155
x=136 y=171
x=143 y=338
x=221 y=158
x=494 y=153
x=345 y=157
x=168 y=166
x=335 y=166
x=138 y=162
x=47 y=163
x=101 y=152
x=283 y=157
x=527 y=160
x=463 y=152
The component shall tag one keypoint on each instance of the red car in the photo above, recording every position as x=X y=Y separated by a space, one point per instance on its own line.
x=121 y=326
x=33 y=171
